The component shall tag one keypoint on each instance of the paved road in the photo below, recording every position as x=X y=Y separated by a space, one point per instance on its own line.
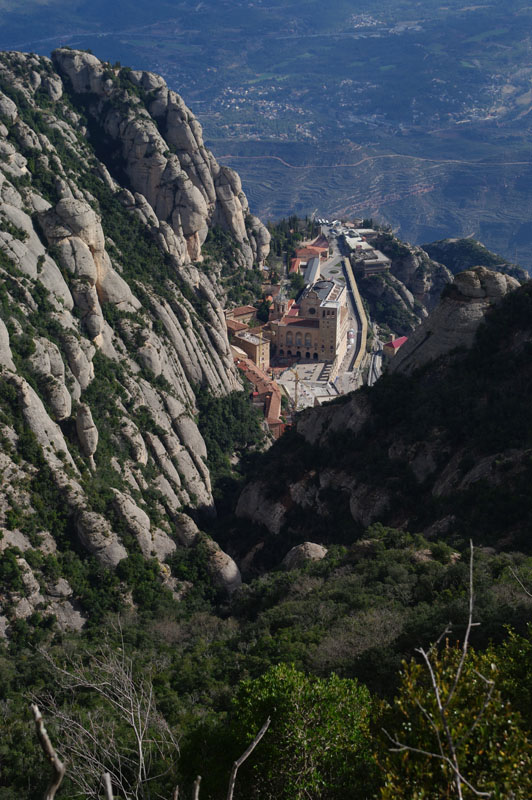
x=357 y=343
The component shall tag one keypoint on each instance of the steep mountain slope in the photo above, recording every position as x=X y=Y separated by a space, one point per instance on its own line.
x=107 y=327
x=402 y=297
x=460 y=254
x=440 y=445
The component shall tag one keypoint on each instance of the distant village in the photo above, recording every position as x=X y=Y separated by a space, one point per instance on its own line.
x=313 y=347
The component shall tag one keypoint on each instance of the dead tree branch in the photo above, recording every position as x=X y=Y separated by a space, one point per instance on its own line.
x=49 y=751
x=238 y=763
x=440 y=723
x=108 y=788
x=197 y=783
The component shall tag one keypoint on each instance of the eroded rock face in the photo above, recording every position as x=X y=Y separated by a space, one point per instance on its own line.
x=96 y=535
x=87 y=432
x=255 y=504
x=164 y=156
x=456 y=319
x=413 y=268
x=101 y=353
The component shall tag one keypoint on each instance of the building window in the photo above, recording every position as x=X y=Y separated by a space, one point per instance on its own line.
x=307 y=355
x=307 y=340
x=299 y=340
x=312 y=311
x=281 y=352
x=289 y=339
x=315 y=356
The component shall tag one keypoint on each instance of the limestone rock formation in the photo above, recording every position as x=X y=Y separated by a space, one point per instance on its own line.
x=107 y=327
x=87 y=433
x=411 y=265
x=96 y=535
x=301 y=553
x=456 y=319
x=161 y=147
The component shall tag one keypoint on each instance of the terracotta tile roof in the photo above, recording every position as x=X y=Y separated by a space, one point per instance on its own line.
x=301 y=322
x=295 y=264
x=305 y=253
x=234 y=326
x=321 y=242
x=397 y=343
x=241 y=311
x=263 y=385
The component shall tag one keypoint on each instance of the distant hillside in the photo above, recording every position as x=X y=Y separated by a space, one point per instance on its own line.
x=460 y=254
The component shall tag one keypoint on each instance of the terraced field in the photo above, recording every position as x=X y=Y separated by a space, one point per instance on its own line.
x=416 y=114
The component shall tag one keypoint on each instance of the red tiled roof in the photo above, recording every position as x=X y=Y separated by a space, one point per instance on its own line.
x=295 y=264
x=320 y=242
x=293 y=311
x=241 y=311
x=235 y=326
x=264 y=385
x=307 y=252
x=397 y=343
x=302 y=322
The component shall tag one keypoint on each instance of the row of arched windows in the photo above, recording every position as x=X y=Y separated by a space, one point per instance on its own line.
x=298 y=339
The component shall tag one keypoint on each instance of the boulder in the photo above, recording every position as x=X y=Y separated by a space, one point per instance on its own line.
x=97 y=537
x=301 y=553
x=87 y=433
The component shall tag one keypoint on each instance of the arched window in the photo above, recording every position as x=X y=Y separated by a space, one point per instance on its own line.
x=288 y=352
x=298 y=354
x=307 y=340
x=315 y=356
x=307 y=355
x=289 y=339
x=281 y=352
x=299 y=340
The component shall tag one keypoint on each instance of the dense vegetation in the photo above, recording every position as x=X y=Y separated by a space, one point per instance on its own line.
x=328 y=626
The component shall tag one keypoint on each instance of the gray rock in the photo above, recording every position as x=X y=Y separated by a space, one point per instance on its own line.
x=301 y=553
x=8 y=108
x=6 y=357
x=96 y=536
x=255 y=504
x=224 y=570
x=87 y=433
x=455 y=321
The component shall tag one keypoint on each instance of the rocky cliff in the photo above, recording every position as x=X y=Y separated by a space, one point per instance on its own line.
x=440 y=445
x=402 y=297
x=108 y=323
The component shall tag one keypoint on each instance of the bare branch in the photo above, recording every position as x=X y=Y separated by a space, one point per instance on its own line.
x=107 y=786
x=238 y=763
x=197 y=783
x=470 y=624
x=175 y=795
x=520 y=582
x=449 y=753
x=400 y=748
x=49 y=751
